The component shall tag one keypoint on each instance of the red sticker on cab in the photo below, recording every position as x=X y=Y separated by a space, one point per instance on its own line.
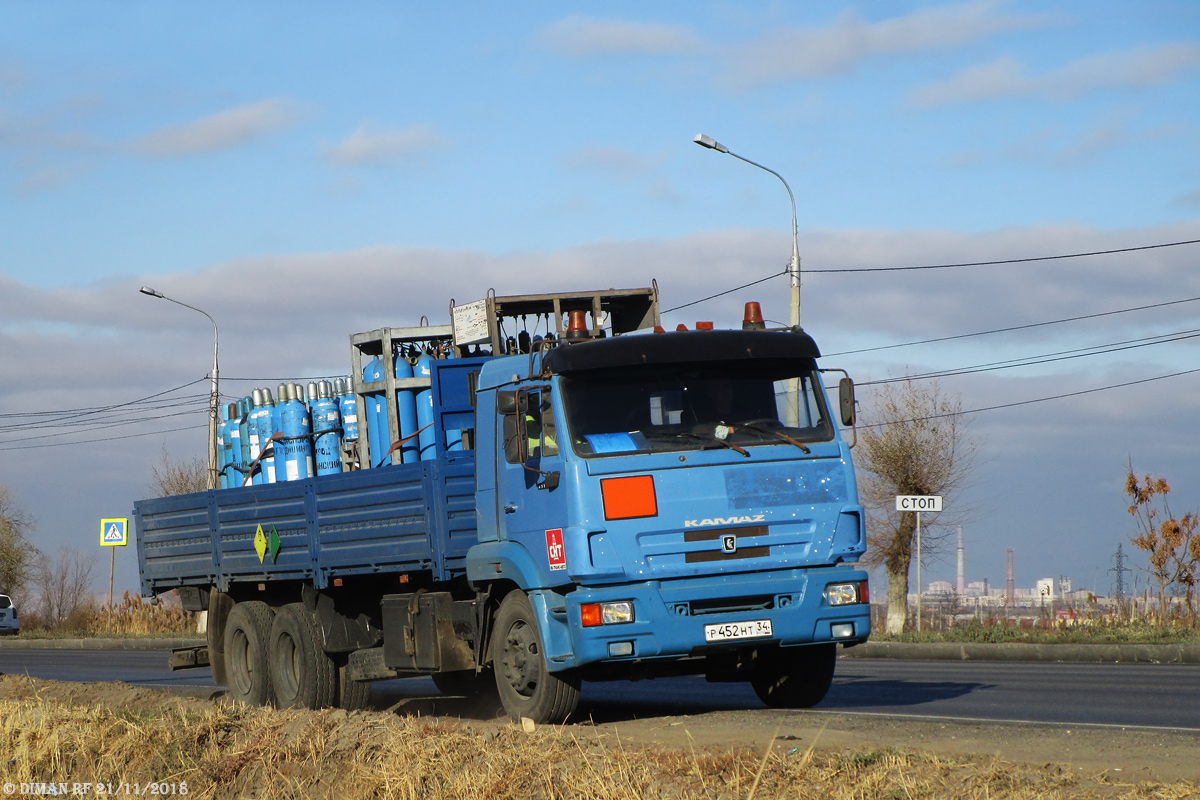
x=555 y=552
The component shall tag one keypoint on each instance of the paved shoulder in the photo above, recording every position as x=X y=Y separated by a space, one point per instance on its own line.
x=113 y=643
x=1012 y=651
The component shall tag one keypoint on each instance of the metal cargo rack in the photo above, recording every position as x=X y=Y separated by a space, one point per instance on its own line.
x=384 y=342
x=482 y=322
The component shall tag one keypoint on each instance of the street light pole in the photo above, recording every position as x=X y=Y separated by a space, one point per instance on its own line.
x=794 y=264
x=214 y=396
x=793 y=407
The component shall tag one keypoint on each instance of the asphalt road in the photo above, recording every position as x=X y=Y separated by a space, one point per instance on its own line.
x=1122 y=695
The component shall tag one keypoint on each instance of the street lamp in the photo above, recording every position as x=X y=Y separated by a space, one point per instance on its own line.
x=214 y=398
x=793 y=408
x=794 y=264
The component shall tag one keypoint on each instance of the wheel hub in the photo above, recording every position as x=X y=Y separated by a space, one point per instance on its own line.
x=521 y=665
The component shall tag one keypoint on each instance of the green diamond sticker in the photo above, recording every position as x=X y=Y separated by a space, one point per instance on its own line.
x=260 y=544
x=275 y=544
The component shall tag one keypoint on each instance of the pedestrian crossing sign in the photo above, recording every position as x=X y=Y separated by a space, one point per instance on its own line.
x=114 y=532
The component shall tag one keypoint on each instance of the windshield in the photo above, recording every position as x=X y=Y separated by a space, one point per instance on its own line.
x=691 y=407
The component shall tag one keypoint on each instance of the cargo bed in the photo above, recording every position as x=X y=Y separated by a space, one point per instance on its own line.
x=399 y=519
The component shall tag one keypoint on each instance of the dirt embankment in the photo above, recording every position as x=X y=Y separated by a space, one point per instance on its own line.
x=452 y=748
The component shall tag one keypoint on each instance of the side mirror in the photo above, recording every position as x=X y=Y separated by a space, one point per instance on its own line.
x=846 y=401
x=506 y=402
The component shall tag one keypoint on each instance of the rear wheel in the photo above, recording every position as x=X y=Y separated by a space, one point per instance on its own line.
x=351 y=694
x=795 y=677
x=246 y=634
x=527 y=688
x=302 y=674
x=219 y=607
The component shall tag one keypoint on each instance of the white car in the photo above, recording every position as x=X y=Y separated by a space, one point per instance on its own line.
x=8 y=617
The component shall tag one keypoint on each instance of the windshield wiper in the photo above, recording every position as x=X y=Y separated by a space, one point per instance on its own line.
x=751 y=426
x=712 y=437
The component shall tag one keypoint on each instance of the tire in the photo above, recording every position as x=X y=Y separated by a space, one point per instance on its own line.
x=219 y=607
x=246 y=668
x=302 y=673
x=795 y=677
x=464 y=683
x=352 y=695
x=526 y=687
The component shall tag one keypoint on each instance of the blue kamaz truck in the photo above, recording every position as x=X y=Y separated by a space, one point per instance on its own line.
x=591 y=501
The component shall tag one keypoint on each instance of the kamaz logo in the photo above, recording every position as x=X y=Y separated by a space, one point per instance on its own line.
x=700 y=523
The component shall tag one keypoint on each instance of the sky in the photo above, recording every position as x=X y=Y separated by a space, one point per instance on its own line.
x=305 y=171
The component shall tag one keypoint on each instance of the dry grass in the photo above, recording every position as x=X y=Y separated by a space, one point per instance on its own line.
x=225 y=751
x=133 y=616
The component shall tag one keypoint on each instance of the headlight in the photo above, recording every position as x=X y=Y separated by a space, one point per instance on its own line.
x=844 y=594
x=614 y=613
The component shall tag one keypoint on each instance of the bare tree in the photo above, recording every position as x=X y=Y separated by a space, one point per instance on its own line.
x=1173 y=544
x=169 y=477
x=913 y=441
x=65 y=583
x=16 y=553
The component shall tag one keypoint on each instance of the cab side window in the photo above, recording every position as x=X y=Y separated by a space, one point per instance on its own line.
x=532 y=420
x=541 y=436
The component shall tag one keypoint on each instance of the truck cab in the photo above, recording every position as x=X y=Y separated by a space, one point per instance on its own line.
x=664 y=514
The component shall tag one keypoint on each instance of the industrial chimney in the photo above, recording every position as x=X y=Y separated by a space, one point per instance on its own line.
x=961 y=589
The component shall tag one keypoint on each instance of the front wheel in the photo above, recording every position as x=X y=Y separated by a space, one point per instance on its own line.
x=526 y=687
x=794 y=677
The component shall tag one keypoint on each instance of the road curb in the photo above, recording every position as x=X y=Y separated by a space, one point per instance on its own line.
x=1015 y=651
x=98 y=644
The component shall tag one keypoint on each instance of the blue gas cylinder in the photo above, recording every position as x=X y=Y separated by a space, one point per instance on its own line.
x=375 y=413
x=327 y=428
x=227 y=440
x=245 y=406
x=348 y=407
x=262 y=428
x=427 y=438
x=406 y=411
x=296 y=439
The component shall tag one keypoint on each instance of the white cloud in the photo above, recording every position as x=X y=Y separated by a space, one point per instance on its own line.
x=835 y=48
x=584 y=37
x=841 y=46
x=1189 y=199
x=12 y=77
x=370 y=144
x=1007 y=77
x=233 y=127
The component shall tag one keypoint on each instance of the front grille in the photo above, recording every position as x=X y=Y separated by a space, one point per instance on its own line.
x=726 y=605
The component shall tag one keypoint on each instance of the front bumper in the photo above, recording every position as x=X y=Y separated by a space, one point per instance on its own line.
x=670 y=616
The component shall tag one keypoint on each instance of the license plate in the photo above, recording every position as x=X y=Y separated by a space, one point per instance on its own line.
x=737 y=630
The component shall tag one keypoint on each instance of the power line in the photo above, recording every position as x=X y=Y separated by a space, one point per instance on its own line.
x=78 y=412
x=1015 y=327
x=1007 y=260
x=108 y=438
x=944 y=266
x=1042 y=399
x=730 y=291
x=1046 y=358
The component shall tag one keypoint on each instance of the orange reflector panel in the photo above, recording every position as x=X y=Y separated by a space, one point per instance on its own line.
x=590 y=615
x=628 y=498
